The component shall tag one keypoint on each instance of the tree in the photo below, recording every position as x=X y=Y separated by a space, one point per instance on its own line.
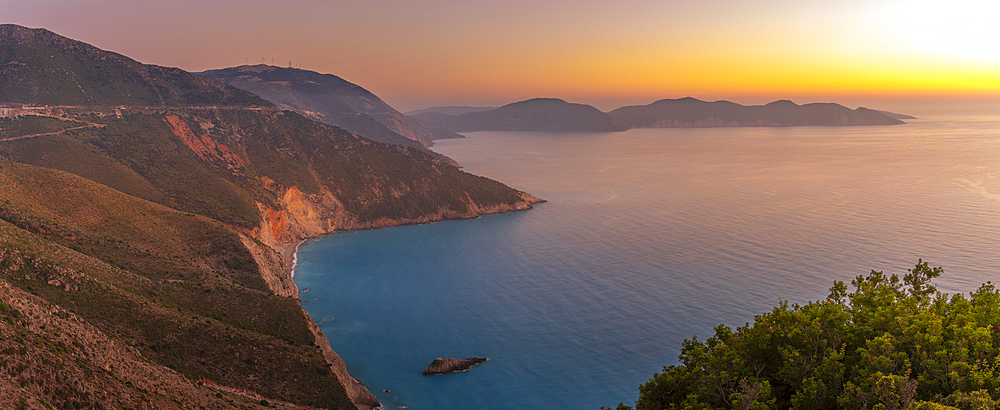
x=889 y=343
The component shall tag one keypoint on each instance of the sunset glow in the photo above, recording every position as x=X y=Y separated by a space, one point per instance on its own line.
x=416 y=54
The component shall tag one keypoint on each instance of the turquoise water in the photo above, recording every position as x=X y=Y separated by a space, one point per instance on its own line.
x=649 y=236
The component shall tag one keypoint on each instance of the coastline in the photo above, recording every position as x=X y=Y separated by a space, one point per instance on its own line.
x=358 y=393
x=288 y=252
x=290 y=255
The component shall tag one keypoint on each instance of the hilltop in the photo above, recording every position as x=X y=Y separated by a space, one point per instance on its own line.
x=40 y=67
x=331 y=100
x=538 y=114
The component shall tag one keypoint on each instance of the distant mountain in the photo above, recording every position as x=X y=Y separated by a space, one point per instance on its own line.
x=451 y=110
x=690 y=112
x=332 y=100
x=155 y=267
x=539 y=114
x=898 y=116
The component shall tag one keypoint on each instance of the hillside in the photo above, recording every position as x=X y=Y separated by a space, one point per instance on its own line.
x=149 y=225
x=539 y=114
x=690 y=112
x=331 y=100
x=147 y=299
x=39 y=67
x=273 y=173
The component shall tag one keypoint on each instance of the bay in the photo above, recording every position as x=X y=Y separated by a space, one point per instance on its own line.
x=649 y=236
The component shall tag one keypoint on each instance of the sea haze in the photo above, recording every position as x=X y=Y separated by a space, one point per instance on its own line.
x=649 y=236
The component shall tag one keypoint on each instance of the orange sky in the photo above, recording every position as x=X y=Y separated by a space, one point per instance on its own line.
x=887 y=54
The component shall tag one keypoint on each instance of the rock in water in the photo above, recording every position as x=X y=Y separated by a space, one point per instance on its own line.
x=452 y=365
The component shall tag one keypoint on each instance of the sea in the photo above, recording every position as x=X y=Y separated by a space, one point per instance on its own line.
x=649 y=237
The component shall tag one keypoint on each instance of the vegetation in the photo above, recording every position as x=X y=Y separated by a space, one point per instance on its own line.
x=139 y=154
x=146 y=251
x=32 y=124
x=38 y=66
x=332 y=100
x=890 y=343
x=179 y=288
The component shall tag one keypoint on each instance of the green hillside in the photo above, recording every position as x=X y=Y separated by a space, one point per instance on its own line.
x=181 y=289
x=266 y=152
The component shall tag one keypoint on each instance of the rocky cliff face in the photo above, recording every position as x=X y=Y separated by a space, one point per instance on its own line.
x=302 y=216
x=171 y=297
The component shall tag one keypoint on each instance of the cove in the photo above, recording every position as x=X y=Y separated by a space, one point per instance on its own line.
x=649 y=236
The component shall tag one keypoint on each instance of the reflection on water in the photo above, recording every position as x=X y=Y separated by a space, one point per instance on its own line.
x=650 y=236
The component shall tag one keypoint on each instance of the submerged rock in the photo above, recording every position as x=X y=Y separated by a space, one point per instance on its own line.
x=452 y=365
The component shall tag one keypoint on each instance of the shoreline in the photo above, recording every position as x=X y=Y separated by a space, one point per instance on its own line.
x=290 y=255
x=358 y=393
x=289 y=251
x=295 y=259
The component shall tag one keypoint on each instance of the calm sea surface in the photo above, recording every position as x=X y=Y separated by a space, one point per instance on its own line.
x=649 y=236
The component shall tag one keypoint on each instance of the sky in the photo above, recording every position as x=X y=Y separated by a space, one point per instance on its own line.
x=914 y=56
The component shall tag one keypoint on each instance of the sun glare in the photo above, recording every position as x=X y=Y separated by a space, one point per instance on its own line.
x=968 y=29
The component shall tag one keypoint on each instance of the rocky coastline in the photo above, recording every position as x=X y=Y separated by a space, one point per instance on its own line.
x=357 y=392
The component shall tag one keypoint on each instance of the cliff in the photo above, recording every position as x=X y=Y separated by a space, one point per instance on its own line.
x=148 y=202
x=157 y=298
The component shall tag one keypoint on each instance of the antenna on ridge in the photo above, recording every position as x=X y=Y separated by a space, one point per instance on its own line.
x=262 y=60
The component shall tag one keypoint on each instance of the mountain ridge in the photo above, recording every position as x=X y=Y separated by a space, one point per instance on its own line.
x=329 y=99
x=37 y=64
x=555 y=115
x=690 y=112
x=537 y=114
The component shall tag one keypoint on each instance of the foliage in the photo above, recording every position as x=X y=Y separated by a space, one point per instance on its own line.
x=32 y=124
x=139 y=154
x=38 y=66
x=890 y=343
x=180 y=288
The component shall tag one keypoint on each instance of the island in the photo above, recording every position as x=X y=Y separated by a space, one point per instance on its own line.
x=452 y=365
